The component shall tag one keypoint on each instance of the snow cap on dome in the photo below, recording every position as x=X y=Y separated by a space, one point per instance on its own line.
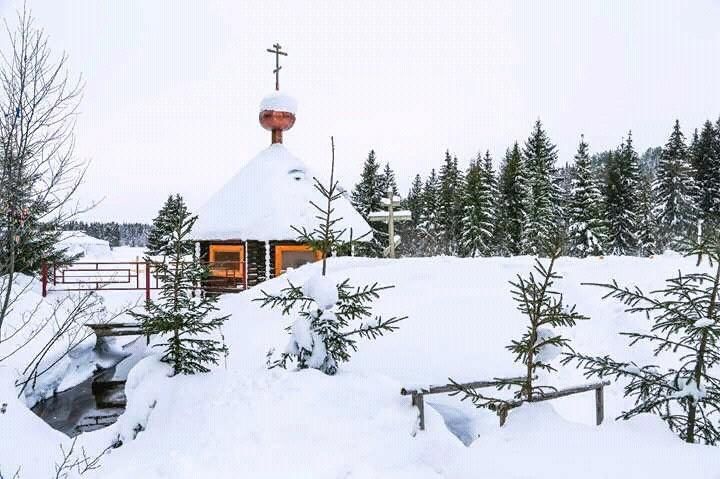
x=279 y=101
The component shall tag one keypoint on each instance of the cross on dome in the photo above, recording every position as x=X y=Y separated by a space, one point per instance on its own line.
x=277 y=50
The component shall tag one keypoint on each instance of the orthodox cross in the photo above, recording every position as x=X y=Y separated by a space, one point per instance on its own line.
x=276 y=49
x=390 y=217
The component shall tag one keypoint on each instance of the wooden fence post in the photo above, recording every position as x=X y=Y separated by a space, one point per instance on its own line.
x=419 y=403
x=44 y=279
x=599 y=406
x=147 y=280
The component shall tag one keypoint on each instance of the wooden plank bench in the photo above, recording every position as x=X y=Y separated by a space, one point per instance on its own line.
x=418 y=394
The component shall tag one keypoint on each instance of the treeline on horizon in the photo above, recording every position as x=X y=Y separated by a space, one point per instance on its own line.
x=117 y=234
x=608 y=202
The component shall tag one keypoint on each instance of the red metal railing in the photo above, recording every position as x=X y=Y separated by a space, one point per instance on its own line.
x=131 y=276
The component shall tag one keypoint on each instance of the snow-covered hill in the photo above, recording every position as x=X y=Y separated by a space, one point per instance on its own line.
x=242 y=420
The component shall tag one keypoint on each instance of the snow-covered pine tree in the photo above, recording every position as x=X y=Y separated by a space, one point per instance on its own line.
x=410 y=246
x=331 y=317
x=648 y=242
x=587 y=232
x=478 y=232
x=674 y=190
x=450 y=205
x=705 y=160
x=183 y=315
x=367 y=197
x=511 y=203
x=542 y=193
x=541 y=342
x=430 y=231
x=621 y=199
x=387 y=180
x=685 y=317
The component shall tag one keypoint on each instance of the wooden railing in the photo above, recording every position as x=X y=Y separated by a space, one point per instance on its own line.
x=131 y=275
x=418 y=394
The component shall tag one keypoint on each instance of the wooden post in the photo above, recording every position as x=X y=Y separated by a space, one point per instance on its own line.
x=502 y=413
x=147 y=280
x=419 y=403
x=44 y=279
x=391 y=224
x=599 y=406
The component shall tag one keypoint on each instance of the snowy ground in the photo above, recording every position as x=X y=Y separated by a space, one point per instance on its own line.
x=242 y=420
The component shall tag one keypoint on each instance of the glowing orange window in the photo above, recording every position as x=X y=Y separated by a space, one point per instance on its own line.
x=227 y=260
x=293 y=256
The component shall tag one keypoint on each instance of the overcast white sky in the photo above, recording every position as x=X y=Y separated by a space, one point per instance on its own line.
x=172 y=88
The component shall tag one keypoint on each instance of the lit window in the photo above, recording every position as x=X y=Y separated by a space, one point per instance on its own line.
x=227 y=260
x=293 y=256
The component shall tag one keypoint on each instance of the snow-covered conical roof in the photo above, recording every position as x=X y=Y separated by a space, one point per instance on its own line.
x=266 y=198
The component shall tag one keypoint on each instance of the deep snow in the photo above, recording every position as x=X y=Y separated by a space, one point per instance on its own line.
x=242 y=420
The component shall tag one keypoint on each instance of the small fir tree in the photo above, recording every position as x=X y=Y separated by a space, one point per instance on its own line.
x=331 y=317
x=183 y=315
x=685 y=317
x=541 y=342
x=674 y=189
x=587 y=230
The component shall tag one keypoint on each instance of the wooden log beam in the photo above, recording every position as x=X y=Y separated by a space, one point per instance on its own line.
x=448 y=388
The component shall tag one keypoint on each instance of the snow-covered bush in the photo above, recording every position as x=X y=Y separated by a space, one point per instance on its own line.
x=331 y=317
x=686 y=320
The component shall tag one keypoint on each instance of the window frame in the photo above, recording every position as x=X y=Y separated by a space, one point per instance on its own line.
x=227 y=248
x=280 y=248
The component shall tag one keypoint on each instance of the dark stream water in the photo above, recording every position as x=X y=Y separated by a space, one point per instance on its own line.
x=96 y=402
x=91 y=405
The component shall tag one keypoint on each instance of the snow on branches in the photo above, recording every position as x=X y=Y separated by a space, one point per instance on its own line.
x=685 y=321
x=330 y=317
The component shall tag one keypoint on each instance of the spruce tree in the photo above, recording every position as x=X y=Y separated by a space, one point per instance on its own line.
x=648 y=239
x=587 y=233
x=414 y=203
x=330 y=317
x=450 y=205
x=511 y=209
x=675 y=192
x=183 y=315
x=478 y=233
x=367 y=197
x=430 y=230
x=685 y=317
x=387 y=180
x=542 y=193
x=705 y=159
x=621 y=199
